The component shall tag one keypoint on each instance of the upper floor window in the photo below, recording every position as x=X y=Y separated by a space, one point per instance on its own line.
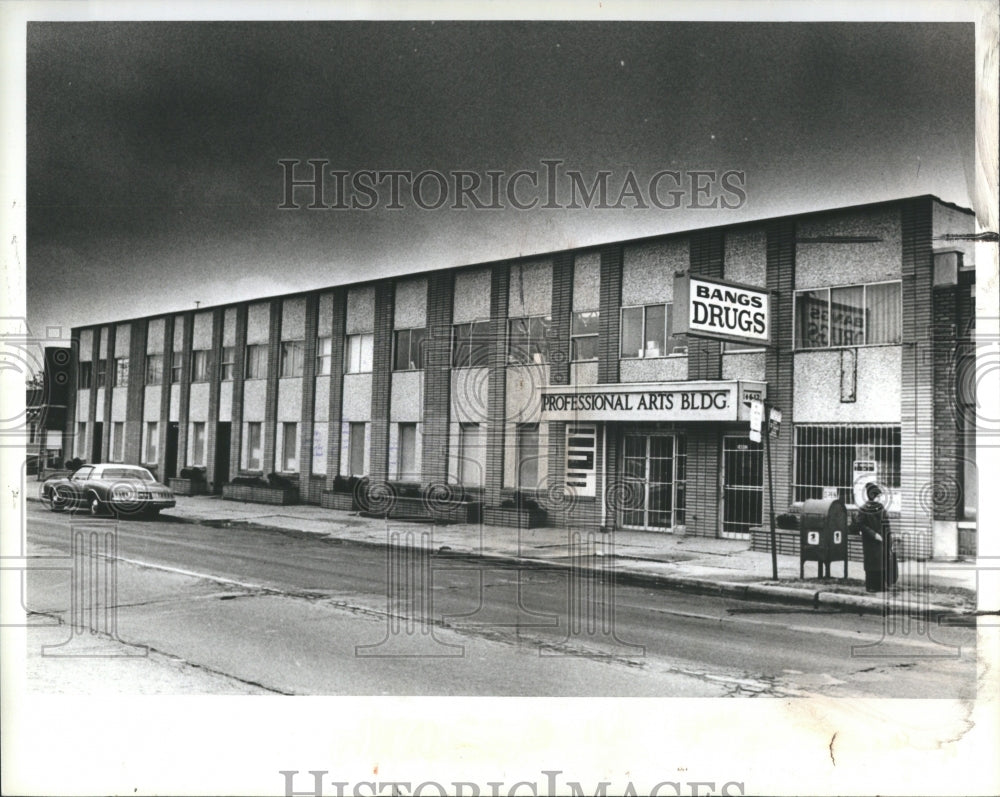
x=645 y=332
x=199 y=365
x=584 y=335
x=154 y=370
x=121 y=372
x=528 y=339
x=102 y=373
x=358 y=353
x=470 y=345
x=852 y=315
x=324 y=356
x=256 y=367
x=85 y=375
x=176 y=367
x=409 y=350
x=228 y=363
x=292 y=352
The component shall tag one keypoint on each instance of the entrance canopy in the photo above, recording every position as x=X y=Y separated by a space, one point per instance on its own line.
x=651 y=401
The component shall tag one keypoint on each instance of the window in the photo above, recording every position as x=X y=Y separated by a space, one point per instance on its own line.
x=227 y=363
x=324 y=356
x=117 y=441
x=154 y=369
x=85 y=375
x=470 y=345
x=292 y=352
x=470 y=454
x=102 y=372
x=121 y=372
x=289 y=447
x=176 y=367
x=81 y=440
x=358 y=354
x=356 y=461
x=252 y=447
x=320 y=430
x=528 y=339
x=408 y=452
x=409 y=350
x=256 y=367
x=581 y=460
x=645 y=332
x=199 y=365
x=198 y=443
x=855 y=315
x=845 y=458
x=152 y=442
x=527 y=456
x=583 y=335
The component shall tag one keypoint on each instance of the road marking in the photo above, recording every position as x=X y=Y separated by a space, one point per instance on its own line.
x=194 y=574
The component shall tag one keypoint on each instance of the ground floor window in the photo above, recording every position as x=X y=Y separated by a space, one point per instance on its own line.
x=289 y=447
x=118 y=443
x=470 y=454
x=408 y=470
x=843 y=458
x=81 y=441
x=527 y=456
x=320 y=431
x=152 y=442
x=356 y=461
x=252 y=451
x=198 y=443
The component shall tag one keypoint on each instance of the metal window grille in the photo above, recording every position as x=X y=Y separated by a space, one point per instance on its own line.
x=840 y=456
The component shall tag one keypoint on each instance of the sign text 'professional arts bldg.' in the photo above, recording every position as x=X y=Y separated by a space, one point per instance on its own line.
x=602 y=387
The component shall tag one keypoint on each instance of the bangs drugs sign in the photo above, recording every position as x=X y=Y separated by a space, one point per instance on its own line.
x=722 y=310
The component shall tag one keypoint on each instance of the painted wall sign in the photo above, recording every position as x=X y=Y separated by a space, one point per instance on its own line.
x=660 y=401
x=723 y=310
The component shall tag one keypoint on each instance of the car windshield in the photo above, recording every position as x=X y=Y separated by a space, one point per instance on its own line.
x=140 y=474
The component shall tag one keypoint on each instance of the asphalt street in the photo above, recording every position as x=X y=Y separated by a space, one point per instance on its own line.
x=234 y=610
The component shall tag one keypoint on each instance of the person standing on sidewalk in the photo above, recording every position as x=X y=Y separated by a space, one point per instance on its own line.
x=872 y=523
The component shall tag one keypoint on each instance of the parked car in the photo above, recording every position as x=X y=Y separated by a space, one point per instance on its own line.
x=114 y=488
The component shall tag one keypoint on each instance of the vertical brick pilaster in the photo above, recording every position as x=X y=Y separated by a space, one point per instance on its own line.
x=239 y=379
x=184 y=397
x=109 y=381
x=611 y=304
x=779 y=361
x=336 y=409
x=560 y=352
x=917 y=399
x=271 y=396
x=136 y=395
x=92 y=406
x=214 y=394
x=437 y=377
x=72 y=397
x=706 y=255
x=164 y=421
x=947 y=443
x=308 y=397
x=497 y=411
x=381 y=380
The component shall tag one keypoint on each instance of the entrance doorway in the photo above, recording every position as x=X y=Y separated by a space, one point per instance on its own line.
x=223 y=432
x=170 y=460
x=742 y=486
x=647 y=481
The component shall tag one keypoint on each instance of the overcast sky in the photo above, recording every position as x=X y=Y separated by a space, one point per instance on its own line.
x=154 y=181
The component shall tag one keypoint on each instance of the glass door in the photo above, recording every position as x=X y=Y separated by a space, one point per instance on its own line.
x=648 y=476
x=742 y=486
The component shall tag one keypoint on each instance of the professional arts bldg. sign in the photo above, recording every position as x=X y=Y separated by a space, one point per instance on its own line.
x=723 y=310
x=660 y=401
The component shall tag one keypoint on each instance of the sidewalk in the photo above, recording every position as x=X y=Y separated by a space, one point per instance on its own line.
x=696 y=564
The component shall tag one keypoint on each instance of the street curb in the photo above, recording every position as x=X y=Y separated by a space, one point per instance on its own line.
x=765 y=593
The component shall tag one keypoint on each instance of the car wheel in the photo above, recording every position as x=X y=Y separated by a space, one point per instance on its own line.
x=95 y=504
x=59 y=500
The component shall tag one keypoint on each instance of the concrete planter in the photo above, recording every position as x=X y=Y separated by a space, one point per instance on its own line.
x=437 y=511
x=514 y=517
x=261 y=495
x=188 y=486
x=341 y=501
